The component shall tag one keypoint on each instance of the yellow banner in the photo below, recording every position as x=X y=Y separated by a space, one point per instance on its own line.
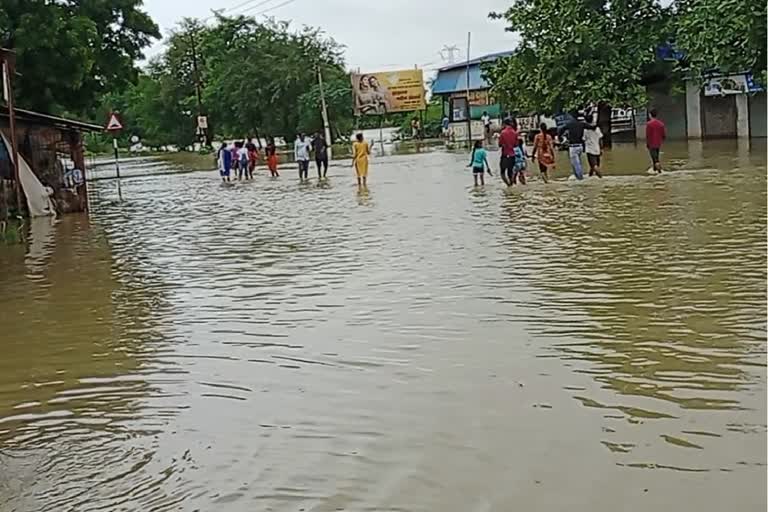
x=393 y=91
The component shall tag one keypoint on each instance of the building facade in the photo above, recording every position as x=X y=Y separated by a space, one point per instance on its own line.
x=729 y=106
x=466 y=95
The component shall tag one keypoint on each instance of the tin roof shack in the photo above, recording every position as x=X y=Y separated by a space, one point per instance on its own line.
x=53 y=148
x=452 y=84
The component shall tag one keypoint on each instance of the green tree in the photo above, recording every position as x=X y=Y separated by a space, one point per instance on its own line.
x=338 y=98
x=722 y=35
x=71 y=52
x=576 y=52
x=255 y=78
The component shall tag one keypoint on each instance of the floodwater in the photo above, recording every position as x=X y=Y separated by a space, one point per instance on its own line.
x=424 y=346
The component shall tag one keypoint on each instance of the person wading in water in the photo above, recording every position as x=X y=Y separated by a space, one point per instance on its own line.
x=360 y=152
x=544 y=149
x=655 y=133
x=320 y=148
x=575 y=129
x=508 y=143
x=301 y=152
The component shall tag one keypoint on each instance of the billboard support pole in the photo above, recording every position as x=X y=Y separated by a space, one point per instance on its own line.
x=381 y=133
x=469 y=107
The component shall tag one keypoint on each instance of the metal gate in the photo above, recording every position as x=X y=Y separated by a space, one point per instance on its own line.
x=718 y=116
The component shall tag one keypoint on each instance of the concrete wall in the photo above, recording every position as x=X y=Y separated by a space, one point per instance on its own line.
x=757 y=114
x=459 y=130
x=671 y=110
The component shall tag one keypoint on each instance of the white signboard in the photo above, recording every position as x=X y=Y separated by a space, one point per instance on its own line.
x=723 y=85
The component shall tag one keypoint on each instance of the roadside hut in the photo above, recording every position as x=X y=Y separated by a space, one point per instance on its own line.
x=52 y=147
x=452 y=84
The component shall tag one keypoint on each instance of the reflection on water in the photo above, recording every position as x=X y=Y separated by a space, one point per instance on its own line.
x=421 y=345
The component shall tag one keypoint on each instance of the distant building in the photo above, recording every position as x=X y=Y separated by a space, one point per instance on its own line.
x=723 y=106
x=451 y=85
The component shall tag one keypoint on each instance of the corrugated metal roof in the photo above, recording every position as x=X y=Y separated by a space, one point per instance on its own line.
x=453 y=78
x=49 y=120
x=478 y=60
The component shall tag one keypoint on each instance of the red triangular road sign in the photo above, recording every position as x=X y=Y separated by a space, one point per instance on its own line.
x=114 y=123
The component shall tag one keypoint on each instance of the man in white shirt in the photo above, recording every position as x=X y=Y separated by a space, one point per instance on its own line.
x=301 y=151
x=486 y=119
x=592 y=139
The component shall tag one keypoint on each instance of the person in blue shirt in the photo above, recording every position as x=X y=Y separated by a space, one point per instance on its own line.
x=225 y=162
x=479 y=163
x=518 y=171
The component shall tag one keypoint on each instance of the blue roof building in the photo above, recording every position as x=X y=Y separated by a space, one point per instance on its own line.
x=453 y=78
x=451 y=85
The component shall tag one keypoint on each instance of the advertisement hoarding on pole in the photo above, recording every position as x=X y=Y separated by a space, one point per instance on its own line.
x=387 y=92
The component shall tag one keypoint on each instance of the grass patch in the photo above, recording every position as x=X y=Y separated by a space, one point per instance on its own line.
x=190 y=161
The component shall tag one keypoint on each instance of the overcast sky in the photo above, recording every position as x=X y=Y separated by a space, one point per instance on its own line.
x=383 y=35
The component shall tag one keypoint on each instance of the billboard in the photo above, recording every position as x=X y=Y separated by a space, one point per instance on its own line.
x=393 y=91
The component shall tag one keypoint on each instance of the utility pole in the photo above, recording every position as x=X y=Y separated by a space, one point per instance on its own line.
x=326 y=125
x=198 y=87
x=469 y=107
x=447 y=53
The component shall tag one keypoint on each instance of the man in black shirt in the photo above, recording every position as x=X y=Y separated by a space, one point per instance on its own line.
x=574 y=128
x=320 y=147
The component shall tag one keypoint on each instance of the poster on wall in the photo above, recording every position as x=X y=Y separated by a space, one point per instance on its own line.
x=730 y=84
x=393 y=91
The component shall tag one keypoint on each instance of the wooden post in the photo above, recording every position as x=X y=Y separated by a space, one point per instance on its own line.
x=76 y=153
x=9 y=69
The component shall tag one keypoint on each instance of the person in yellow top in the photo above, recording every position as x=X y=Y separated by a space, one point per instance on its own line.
x=360 y=152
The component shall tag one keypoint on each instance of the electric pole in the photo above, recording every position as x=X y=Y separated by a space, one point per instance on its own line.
x=326 y=125
x=203 y=130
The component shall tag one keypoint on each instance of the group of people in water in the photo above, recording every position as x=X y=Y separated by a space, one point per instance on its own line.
x=240 y=158
x=581 y=134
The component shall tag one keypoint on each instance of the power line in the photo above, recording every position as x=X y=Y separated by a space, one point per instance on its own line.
x=271 y=8
x=217 y=12
x=255 y=6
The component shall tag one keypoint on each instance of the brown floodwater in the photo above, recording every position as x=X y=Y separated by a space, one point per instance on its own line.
x=423 y=346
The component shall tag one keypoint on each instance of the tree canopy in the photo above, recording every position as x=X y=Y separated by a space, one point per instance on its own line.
x=256 y=78
x=722 y=35
x=71 y=52
x=576 y=52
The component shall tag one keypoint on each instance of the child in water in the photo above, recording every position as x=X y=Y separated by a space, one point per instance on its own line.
x=360 y=152
x=518 y=172
x=479 y=163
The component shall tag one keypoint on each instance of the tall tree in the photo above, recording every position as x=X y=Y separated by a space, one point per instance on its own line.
x=70 y=52
x=723 y=35
x=576 y=52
